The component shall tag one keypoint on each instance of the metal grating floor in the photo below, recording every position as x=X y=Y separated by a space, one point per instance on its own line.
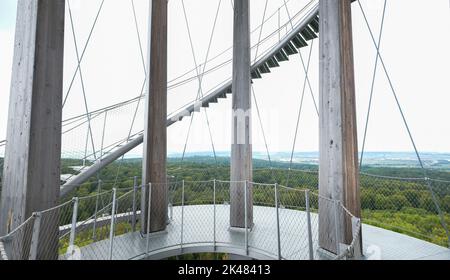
x=199 y=236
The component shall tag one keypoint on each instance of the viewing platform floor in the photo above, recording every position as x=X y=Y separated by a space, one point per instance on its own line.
x=204 y=233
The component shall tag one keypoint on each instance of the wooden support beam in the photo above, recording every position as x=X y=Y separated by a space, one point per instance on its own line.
x=241 y=147
x=31 y=177
x=155 y=134
x=338 y=171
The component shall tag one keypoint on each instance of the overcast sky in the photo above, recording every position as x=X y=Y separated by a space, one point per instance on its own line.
x=415 y=46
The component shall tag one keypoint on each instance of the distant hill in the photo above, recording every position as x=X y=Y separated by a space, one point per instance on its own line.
x=402 y=164
x=397 y=170
x=257 y=163
x=378 y=159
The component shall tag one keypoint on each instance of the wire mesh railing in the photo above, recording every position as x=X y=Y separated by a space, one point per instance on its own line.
x=195 y=194
x=198 y=212
x=107 y=225
x=125 y=223
x=355 y=227
x=91 y=221
x=17 y=244
x=305 y=223
x=410 y=205
x=418 y=207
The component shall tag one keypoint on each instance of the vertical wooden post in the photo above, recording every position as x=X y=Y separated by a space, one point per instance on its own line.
x=155 y=135
x=338 y=173
x=241 y=147
x=31 y=178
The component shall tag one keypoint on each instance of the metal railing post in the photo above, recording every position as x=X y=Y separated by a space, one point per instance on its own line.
x=214 y=221
x=308 y=219
x=149 y=207
x=111 y=232
x=182 y=215
x=246 y=218
x=73 y=228
x=35 y=236
x=94 y=231
x=133 y=221
x=277 y=211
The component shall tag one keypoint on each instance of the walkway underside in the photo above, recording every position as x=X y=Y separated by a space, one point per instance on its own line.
x=202 y=231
